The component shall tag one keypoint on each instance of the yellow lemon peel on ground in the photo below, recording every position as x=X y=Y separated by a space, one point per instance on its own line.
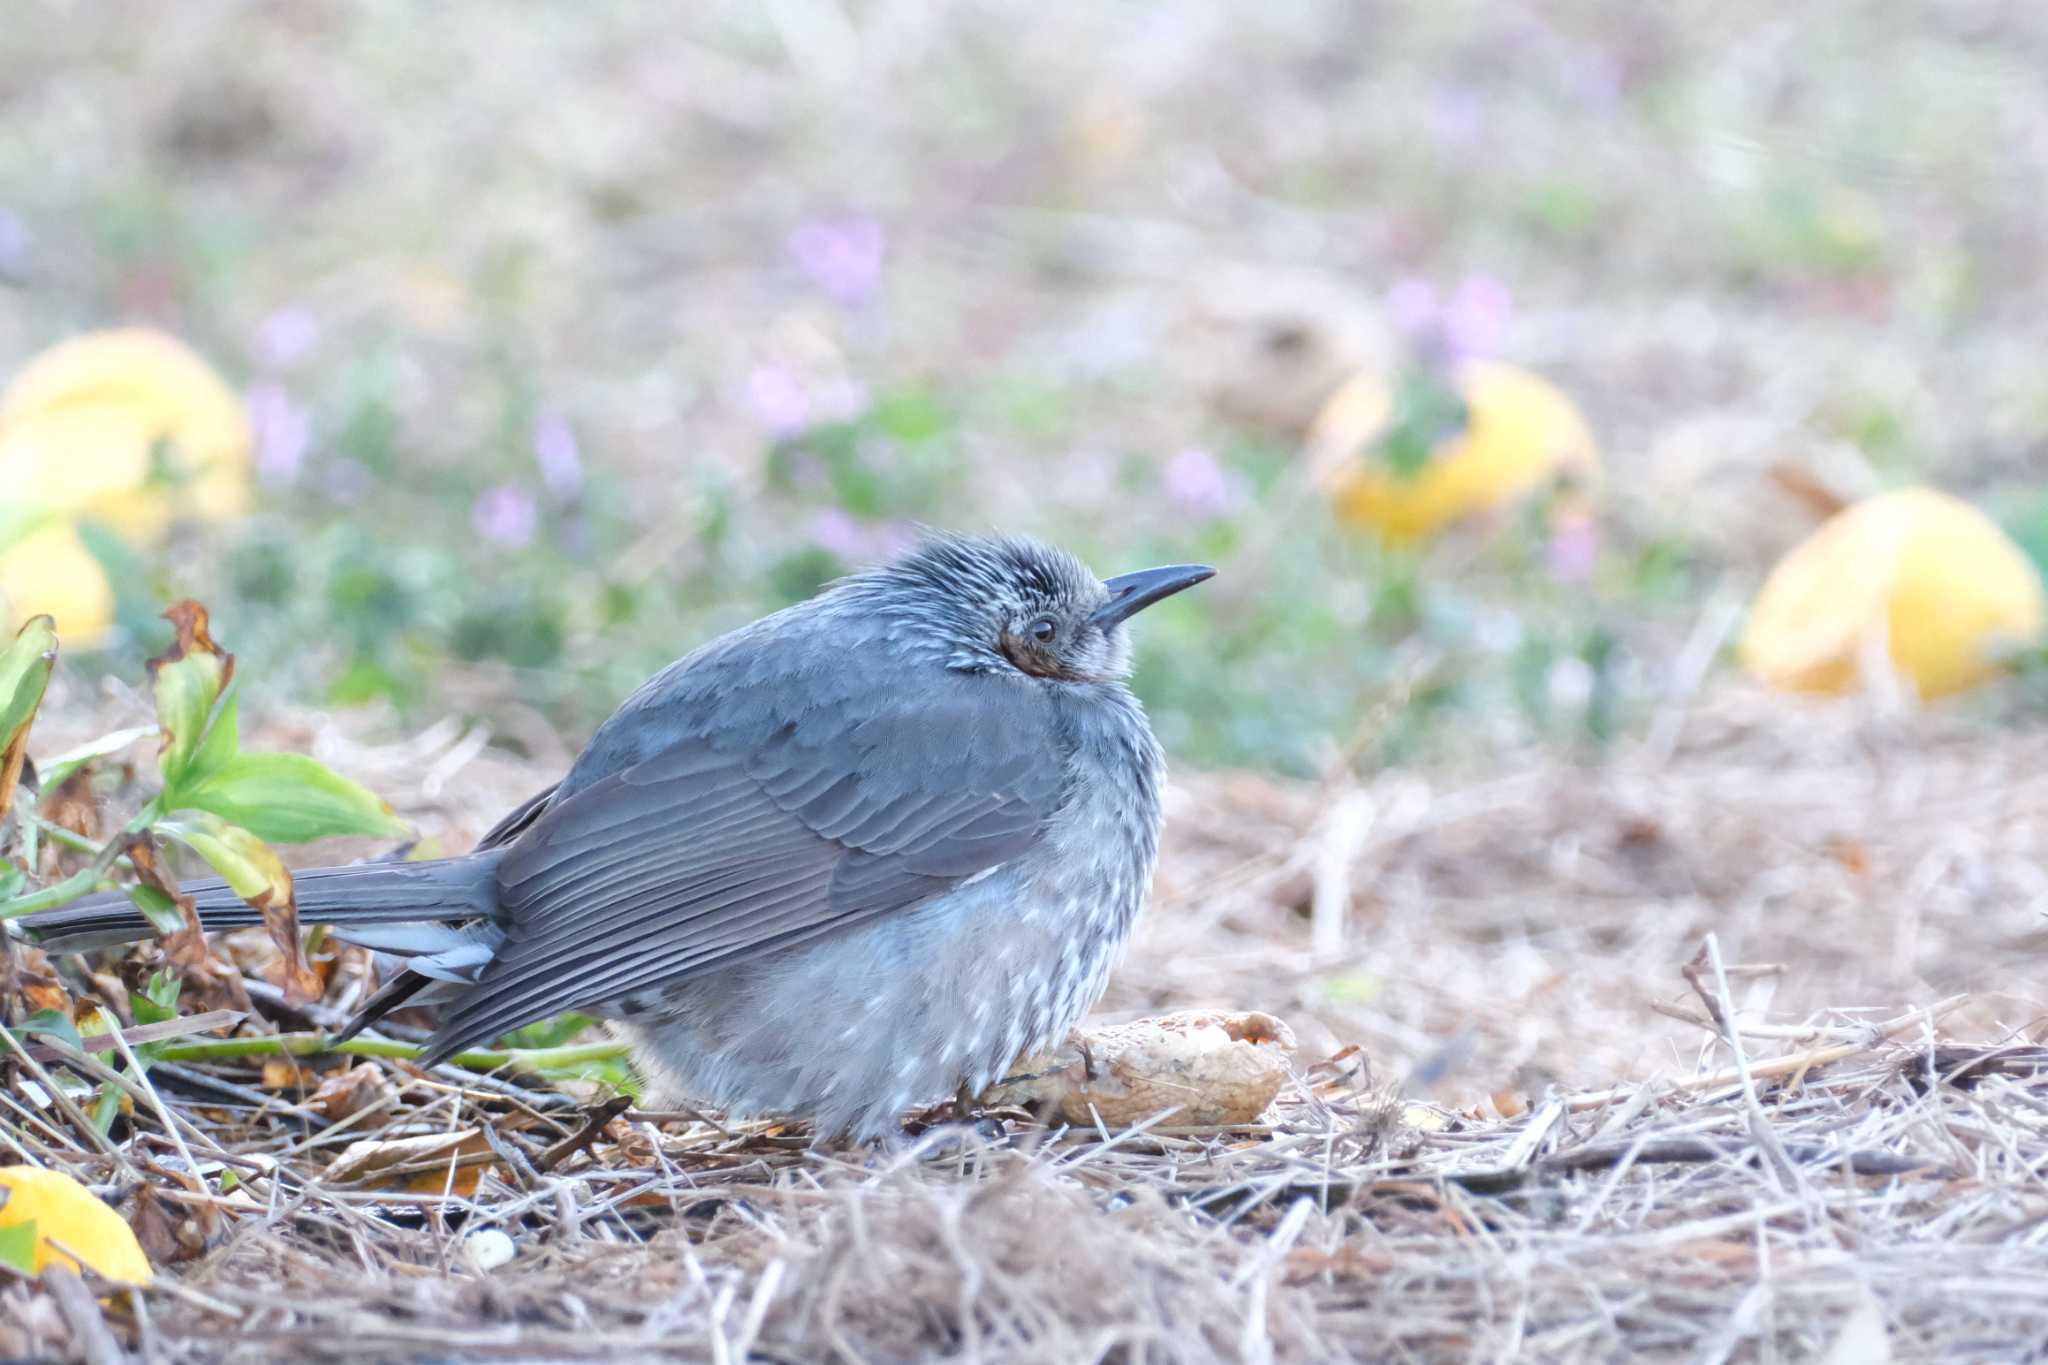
x=1922 y=575
x=79 y=425
x=50 y=570
x=67 y=1214
x=1523 y=432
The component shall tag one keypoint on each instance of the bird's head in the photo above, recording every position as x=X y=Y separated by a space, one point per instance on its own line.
x=1008 y=604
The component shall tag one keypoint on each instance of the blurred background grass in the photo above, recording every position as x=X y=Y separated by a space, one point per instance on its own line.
x=572 y=336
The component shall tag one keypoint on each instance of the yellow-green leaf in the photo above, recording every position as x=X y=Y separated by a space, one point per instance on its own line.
x=25 y=667
x=242 y=859
x=289 y=799
x=256 y=875
x=187 y=680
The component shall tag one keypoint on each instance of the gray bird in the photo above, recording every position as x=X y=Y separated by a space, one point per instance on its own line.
x=835 y=864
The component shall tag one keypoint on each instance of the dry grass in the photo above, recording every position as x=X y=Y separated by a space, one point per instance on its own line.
x=1547 y=1148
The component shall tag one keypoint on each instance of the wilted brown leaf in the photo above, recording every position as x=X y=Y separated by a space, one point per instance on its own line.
x=185 y=949
x=27 y=978
x=208 y=982
x=351 y=1091
x=187 y=679
x=296 y=977
x=258 y=877
x=421 y=1164
x=170 y=1230
x=71 y=804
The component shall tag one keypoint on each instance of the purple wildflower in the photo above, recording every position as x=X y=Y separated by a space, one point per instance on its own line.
x=1199 y=486
x=842 y=256
x=284 y=338
x=16 y=247
x=1412 y=306
x=835 y=531
x=1476 y=318
x=1573 y=548
x=282 y=431
x=556 y=452
x=778 y=400
x=505 y=516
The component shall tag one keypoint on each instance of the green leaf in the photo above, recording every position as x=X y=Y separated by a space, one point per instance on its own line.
x=187 y=681
x=55 y=770
x=160 y=910
x=245 y=861
x=289 y=799
x=12 y=879
x=546 y=1033
x=162 y=990
x=18 y=1247
x=223 y=739
x=54 y=1023
x=24 y=671
x=25 y=667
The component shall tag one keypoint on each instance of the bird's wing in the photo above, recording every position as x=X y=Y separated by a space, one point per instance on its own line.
x=714 y=850
x=516 y=821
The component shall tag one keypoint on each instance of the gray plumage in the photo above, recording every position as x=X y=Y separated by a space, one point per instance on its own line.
x=834 y=864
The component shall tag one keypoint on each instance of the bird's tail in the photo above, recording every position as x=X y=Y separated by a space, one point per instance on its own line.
x=407 y=908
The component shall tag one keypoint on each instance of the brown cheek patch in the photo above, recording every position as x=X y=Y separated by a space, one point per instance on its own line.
x=1030 y=658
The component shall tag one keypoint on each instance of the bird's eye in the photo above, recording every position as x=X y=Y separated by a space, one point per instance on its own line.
x=1044 y=630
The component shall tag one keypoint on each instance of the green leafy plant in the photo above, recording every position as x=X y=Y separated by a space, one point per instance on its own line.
x=155 y=1003
x=222 y=804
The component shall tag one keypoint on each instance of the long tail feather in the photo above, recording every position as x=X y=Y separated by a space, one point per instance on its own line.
x=444 y=889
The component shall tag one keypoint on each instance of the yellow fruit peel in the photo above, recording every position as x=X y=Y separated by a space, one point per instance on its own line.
x=1914 y=575
x=71 y=1224
x=80 y=425
x=1523 y=434
x=50 y=571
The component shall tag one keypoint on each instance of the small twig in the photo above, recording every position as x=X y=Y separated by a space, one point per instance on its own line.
x=593 y=1128
x=1523 y=1149
x=146 y=1033
x=1777 y=1066
x=1721 y=1006
x=1680 y=1152
x=78 y=1117
x=140 y=1074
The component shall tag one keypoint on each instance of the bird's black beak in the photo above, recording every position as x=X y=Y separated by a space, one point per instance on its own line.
x=1131 y=593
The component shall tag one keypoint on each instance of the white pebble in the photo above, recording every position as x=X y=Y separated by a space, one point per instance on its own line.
x=488 y=1249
